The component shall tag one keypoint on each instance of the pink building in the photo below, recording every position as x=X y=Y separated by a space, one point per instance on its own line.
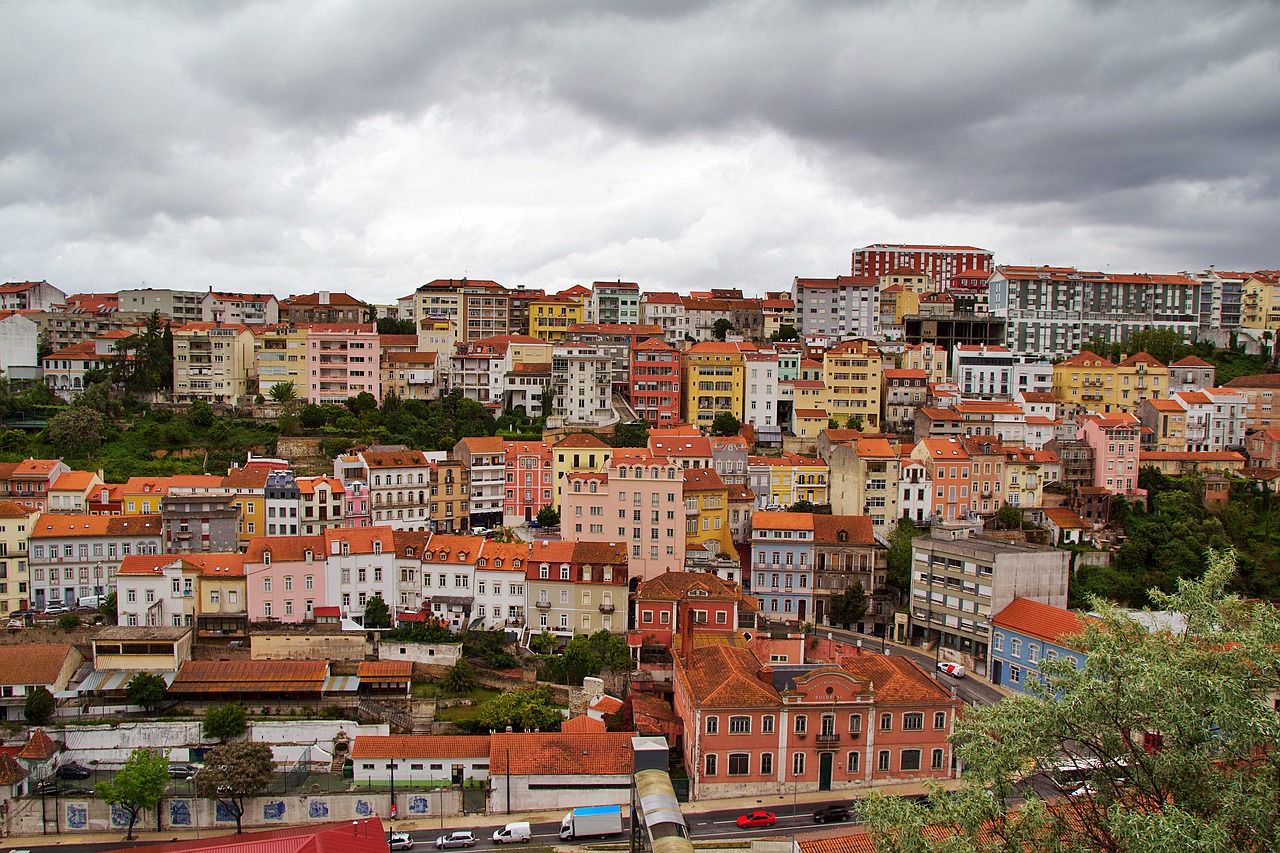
x=1114 y=439
x=639 y=499
x=714 y=605
x=357 y=504
x=285 y=577
x=344 y=360
x=947 y=464
x=529 y=482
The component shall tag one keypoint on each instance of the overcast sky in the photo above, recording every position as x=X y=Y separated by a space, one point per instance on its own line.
x=369 y=147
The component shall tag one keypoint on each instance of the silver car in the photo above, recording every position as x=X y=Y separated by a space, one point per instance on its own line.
x=400 y=841
x=457 y=838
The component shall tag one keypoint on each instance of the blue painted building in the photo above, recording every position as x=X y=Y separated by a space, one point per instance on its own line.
x=1026 y=633
x=782 y=564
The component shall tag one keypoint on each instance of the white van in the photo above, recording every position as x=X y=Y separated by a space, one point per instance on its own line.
x=520 y=831
x=90 y=600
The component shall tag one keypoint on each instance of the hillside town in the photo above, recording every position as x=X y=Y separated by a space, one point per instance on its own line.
x=774 y=546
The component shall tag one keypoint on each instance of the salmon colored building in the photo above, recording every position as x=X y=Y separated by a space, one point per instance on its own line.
x=716 y=606
x=754 y=730
x=529 y=484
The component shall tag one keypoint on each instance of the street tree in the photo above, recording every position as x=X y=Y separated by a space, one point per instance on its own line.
x=1177 y=726
x=138 y=785
x=725 y=424
x=233 y=772
x=523 y=710
x=849 y=606
x=39 y=706
x=549 y=516
x=225 y=722
x=146 y=689
x=282 y=392
x=376 y=613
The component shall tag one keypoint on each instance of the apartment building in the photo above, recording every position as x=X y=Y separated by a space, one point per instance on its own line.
x=613 y=302
x=904 y=391
x=529 y=481
x=214 y=363
x=959 y=580
x=551 y=316
x=1114 y=440
x=777 y=310
x=854 y=375
x=713 y=382
x=915 y=486
x=412 y=375
x=1221 y=299
x=345 y=361
x=480 y=368
x=729 y=458
x=666 y=311
x=30 y=296
x=359 y=564
x=782 y=549
x=180 y=307
x=655 y=388
x=1261 y=393
x=324 y=307
x=1191 y=373
x=761 y=392
x=706 y=516
x=840 y=307
x=1095 y=384
x=281 y=356
x=864 y=481
x=939 y=264
x=73 y=556
x=1053 y=310
x=579 y=452
x=846 y=553
x=203 y=521
x=31 y=481
x=1216 y=418
x=499 y=588
x=448 y=577
x=239 y=309
x=714 y=605
x=638 y=500
x=1260 y=303
x=450 y=510
x=19 y=346
x=519 y=304
x=484 y=458
x=1164 y=424
x=577 y=587
x=322 y=505
x=16 y=524
x=582 y=376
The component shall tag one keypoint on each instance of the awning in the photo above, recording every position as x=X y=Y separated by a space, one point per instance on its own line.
x=341 y=684
x=116 y=679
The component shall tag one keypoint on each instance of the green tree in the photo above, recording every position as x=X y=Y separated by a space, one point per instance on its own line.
x=633 y=434
x=803 y=506
x=459 y=679
x=1181 y=725
x=898 y=554
x=786 y=332
x=725 y=424
x=854 y=422
x=146 y=689
x=1009 y=517
x=234 y=771
x=547 y=401
x=720 y=328
x=362 y=403
x=75 y=432
x=201 y=414
x=586 y=655
x=1164 y=345
x=225 y=722
x=39 y=706
x=44 y=344
x=849 y=606
x=138 y=785
x=282 y=392
x=549 y=516
x=376 y=613
x=312 y=416
x=108 y=609
x=523 y=710
x=392 y=326
x=68 y=622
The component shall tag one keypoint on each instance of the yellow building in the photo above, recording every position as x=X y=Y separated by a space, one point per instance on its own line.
x=249 y=495
x=1096 y=384
x=854 y=372
x=1260 y=308
x=713 y=382
x=808 y=423
x=897 y=302
x=579 y=453
x=706 y=512
x=222 y=612
x=907 y=278
x=16 y=523
x=798 y=478
x=215 y=363
x=1024 y=475
x=281 y=355
x=438 y=336
x=552 y=315
x=928 y=357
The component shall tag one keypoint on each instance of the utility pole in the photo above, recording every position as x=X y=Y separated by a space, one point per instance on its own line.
x=392 y=811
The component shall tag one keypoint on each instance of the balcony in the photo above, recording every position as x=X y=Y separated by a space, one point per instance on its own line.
x=606 y=608
x=544 y=605
x=827 y=739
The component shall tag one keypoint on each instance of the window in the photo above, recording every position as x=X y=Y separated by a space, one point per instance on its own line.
x=710 y=766
x=1015 y=647
x=766 y=724
x=797 y=764
x=1033 y=652
x=935 y=763
x=266 y=584
x=1015 y=674
x=802 y=724
x=713 y=725
x=855 y=722
x=886 y=722
x=739 y=726
x=909 y=759
x=739 y=764
x=882 y=761
x=853 y=762
x=940 y=720
x=766 y=763
x=912 y=722
x=997 y=642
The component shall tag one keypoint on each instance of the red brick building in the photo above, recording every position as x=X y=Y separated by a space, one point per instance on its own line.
x=529 y=486
x=655 y=388
x=941 y=263
x=715 y=606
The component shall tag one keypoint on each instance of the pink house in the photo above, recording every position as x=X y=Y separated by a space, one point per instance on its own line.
x=1114 y=439
x=714 y=604
x=529 y=482
x=344 y=361
x=286 y=577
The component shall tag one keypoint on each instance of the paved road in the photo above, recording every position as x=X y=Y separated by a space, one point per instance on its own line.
x=973 y=691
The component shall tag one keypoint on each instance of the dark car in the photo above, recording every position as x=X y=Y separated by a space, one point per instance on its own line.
x=832 y=813
x=74 y=771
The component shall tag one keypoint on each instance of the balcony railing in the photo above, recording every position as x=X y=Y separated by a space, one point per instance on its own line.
x=826 y=739
x=544 y=605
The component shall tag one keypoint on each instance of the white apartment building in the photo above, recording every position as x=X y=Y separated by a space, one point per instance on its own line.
x=666 y=311
x=760 y=406
x=359 y=564
x=73 y=556
x=499 y=586
x=485 y=458
x=915 y=490
x=1216 y=418
x=840 y=307
x=249 y=309
x=399 y=483
x=583 y=380
x=19 y=344
x=157 y=591
x=448 y=577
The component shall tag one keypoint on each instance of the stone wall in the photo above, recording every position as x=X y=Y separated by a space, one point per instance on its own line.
x=309 y=647
x=441 y=654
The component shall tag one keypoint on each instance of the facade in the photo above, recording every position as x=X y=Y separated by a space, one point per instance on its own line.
x=1261 y=393
x=582 y=376
x=287 y=578
x=1216 y=418
x=939 y=263
x=321 y=505
x=32 y=480
x=840 y=307
x=713 y=605
x=484 y=457
x=580 y=452
x=280 y=354
x=1191 y=374
x=1095 y=384
x=16 y=523
x=73 y=556
x=845 y=553
x=200 y=521
x=19 y=345
x=1164 y=424
x=30 y=296
x=576 y=587
x=983 y=372
x=213 y=363
x=782 y=551
x=760 y=404
x=529 y=481
x=1025 y=633
x=345 y=361
x=706 y=511
x=359 y=564
x=25 y=667
x=613 y=302
x=713 y=382
x=853 y=373
x=638 y=500
x=655 y=389
x=64 y=370
x=666 y=311
x=1260 y=302
x=324 y=307
x=398 y=483
x=180 y=307
x=412 y=375
x=1114 y=440
x=450 y=510
x=500 y=578
x=960 y=580
x=904 y=391
x=248 y=309
x=551 y=316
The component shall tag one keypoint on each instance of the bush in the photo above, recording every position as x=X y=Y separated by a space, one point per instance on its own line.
x=68 y=621
x=460 y=678
x=39 y=706
x=225 y=722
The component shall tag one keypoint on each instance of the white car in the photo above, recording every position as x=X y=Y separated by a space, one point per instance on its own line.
x=954 y=670
x=400 y=841
x=457 y=838
x=56 y=609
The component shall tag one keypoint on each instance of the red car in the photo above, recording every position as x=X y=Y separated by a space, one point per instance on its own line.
x=757 y=818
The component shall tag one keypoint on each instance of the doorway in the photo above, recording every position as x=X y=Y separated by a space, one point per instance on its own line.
x=825 y=762
x=997 y=670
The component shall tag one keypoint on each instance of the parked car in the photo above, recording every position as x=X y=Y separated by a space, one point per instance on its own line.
x=457 y=838
x=75 y=791
x=954 y=670
x=74 y=771
x=181 y=771
x=835 y=812
x=48 y=787
x=399 y=841
x=17 y=623
x=479 y=531
x=757 y=818
x=56 y=608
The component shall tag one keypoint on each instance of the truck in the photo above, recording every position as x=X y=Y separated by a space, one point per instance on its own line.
x=591 y=821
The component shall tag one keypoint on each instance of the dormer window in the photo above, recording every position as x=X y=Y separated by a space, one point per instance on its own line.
x=377 y=547
x=308 y=555
x=497 y=564
x=408 y=552
x=481 y=563
x=346 y=549
x=266 y=558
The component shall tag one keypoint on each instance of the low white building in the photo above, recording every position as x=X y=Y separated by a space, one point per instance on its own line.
x=545 y=771
x=19 y=341
x=418 y=759
x=499 y=586
x=73 y=556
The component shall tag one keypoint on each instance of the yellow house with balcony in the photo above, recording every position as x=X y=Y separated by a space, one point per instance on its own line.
x=853 y=372
x=1098 y=385
x=249 y=495
x=551 y=316
x=713 y=382
x=281 y=356
x=16 y=523
x=706 y=512
x=1260 y=301
x=579 y=453
x=796 y=478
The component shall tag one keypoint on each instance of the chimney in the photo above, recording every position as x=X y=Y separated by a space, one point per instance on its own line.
x=685 y=615
x=765 y=674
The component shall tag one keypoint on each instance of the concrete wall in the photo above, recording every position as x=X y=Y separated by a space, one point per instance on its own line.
x=560 y=792
x=443 y=654
x=309 y=647
x=64 y=816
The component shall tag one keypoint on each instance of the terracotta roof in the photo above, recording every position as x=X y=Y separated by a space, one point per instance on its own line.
x=724 y=676
x=1260 y=380
x=1039 y=397
x=1190 y=456
x=811 y=414
x=367 y=835
x=943 y=449
x=9 y=509
x=286 y=548
x=146 y=564
x=1043 y=621
x=483 y=443
x=876 y=448
x=739 y=492
x=73 y=481
x=782 y=521
x=395 y=459
x=582 y=725
x=715 y=348
x=33 y=664
x=216 y=565
x=385 y=669
x=1086 y=359
x=841 y=435
x=1141 y=358
x=1170 y=405
x=679 y=447
x=308 y=485
x=35 y=467
x=246 y=478
x=337 y=299
x=675 y=586
x=50 y=525
x=251 y=676
x=504 y=556
x=606 y=705
x=702 y=480
x=856 y=528
x=1191 y=361
x=1065 y=518
x=40 y=747
x=11 y=773
x=410 y=357
x=896 y=680
x=451 y=548
x=420 y=746
x=561 y=754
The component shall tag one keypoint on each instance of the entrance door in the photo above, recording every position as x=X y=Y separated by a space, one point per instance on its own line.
x=802 y=609
x=457 y=774
x=825 y=761
x=997 y=671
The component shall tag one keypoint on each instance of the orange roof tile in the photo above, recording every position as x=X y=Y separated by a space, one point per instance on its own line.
x=897 y=680
x=49 y=525
x=724 y=676
x=74 y=481
x=420 y=746
x=385 y=669
x=33 y=664
x=782 y=520
x=39 y=746
x=855 y=530
x=1035 y=619
x=702 y=480
x=561 y=754
x=582 y=725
